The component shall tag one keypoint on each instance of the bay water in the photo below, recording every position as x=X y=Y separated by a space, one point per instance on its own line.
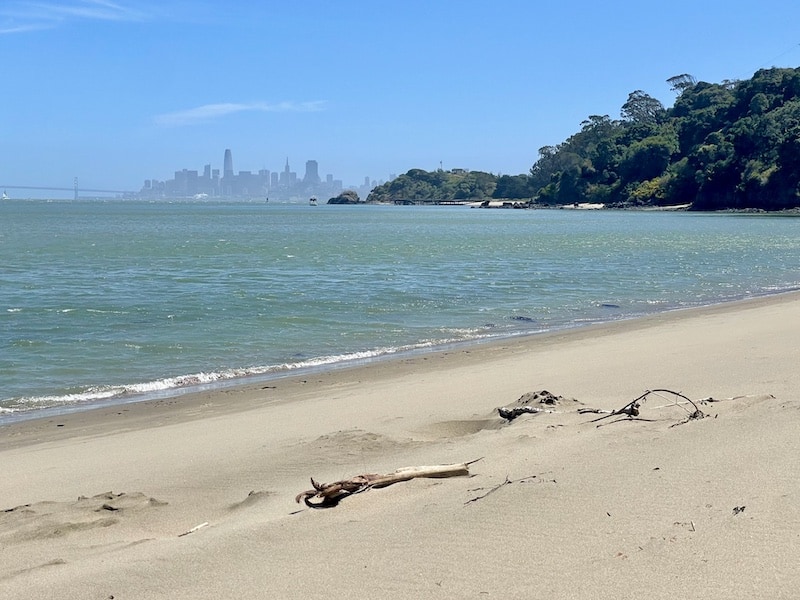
x=116 y=301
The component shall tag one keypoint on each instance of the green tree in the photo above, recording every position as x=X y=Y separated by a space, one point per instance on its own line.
x=648 y=158
x=513 y=187
x=642 y=108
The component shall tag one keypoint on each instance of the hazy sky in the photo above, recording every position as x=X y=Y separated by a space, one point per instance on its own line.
x=115 y=92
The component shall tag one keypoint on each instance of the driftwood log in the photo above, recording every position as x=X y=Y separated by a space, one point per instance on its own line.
x=326 y=495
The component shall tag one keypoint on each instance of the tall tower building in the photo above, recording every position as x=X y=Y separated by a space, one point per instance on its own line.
x=286 y=175
x=227 y=168
x=228 y=187
x=312 y=173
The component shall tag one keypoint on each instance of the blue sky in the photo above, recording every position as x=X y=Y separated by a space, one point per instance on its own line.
x=115 y=92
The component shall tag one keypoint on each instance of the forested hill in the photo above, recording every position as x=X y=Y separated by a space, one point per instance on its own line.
x=729 y=145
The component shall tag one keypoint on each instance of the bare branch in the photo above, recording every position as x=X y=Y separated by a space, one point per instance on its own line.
x=631 y=409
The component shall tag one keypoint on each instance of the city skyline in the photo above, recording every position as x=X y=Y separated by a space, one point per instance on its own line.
x=230 y=183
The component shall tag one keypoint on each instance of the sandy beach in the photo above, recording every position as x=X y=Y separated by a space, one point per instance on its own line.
x=194 y=497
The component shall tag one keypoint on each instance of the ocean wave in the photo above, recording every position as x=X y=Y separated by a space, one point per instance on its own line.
x=201 y=380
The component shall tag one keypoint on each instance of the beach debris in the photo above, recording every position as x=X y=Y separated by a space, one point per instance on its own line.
x=686 y=524
x=532 y=403
x=696 y=415
x=710 y=400
x=507 y=481
x=631 y=410
x=509 y=414
x=193 y=529
x=327 y=495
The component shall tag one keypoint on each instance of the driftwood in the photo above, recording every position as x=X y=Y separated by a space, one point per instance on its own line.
x=631 y=409
x=193 y=529
x=326 y=495
x=509 y=414
x=507 y=481
x=525 y=405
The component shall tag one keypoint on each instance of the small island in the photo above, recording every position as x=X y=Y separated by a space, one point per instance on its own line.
x=346 y=197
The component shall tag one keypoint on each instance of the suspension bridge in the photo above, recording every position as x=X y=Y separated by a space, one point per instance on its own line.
x=77 y=191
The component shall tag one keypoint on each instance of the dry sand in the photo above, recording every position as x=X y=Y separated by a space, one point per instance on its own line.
x=557 y=507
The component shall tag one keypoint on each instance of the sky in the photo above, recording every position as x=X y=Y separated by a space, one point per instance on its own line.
x=116 y=92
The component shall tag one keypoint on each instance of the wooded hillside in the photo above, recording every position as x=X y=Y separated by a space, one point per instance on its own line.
x=729 y=145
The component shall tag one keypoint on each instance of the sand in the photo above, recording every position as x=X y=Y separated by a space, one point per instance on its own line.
x=98 y=504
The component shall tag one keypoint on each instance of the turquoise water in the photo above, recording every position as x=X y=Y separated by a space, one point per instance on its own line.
x=122 y=299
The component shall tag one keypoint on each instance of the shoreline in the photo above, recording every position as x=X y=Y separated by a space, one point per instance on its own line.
x=384 y=365
x=253 y=380
x=193 y=497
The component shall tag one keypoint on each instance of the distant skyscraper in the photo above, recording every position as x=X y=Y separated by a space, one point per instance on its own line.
x=312 y=173
x=228 y=187
x=286 y=175
x=227 y=168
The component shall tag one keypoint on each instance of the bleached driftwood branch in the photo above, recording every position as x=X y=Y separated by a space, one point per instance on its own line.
x=631 y=409
x=325 y=495
x=193 y=529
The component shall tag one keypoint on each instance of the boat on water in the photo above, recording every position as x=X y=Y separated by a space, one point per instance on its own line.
x=312 y=201
x=5 y=196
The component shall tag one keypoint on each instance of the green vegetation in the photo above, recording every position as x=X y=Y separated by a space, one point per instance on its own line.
x=732 y=145
x=346 y=197
x=423 y=186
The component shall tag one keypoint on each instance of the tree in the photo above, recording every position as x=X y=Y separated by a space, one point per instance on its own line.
x=759 y=104
x=648 y=158
x=475 y=185
x=642 y=108
x=542 y=171
x=513 y=187
x=680 y=83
